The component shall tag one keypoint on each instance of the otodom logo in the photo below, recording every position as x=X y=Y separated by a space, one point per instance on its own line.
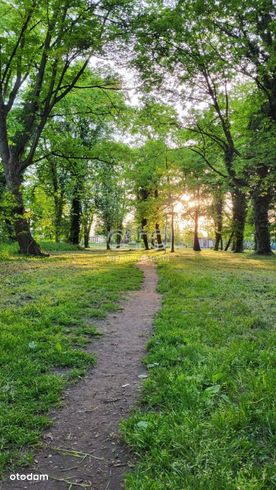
x=28 y=477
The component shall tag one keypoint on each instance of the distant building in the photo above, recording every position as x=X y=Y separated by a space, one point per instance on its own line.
x=206 y=243
x=98 y=239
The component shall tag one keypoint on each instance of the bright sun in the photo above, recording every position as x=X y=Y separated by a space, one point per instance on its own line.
x=182 y=203
x=187 y=202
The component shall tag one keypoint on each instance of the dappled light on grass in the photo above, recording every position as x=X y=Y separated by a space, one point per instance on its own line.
x=219 y=259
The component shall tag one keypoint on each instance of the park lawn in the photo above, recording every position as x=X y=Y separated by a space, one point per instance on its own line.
x=207 y=411
x=47 y=308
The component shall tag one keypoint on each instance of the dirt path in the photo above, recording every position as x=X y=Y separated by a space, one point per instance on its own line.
x=88 y=422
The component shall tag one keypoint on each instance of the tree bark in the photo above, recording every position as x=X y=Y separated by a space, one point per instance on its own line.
x=108 y=239
x=26 y=242
x=196 y=245
x=144 y=233
x=58 y=217
x=75 y=221
x=261 y=204
x=119 y=237
x=86 y=238
x=143 y=196
x=172 y=232
x=238 y=200
x=13 y=177
x=58 y=198
x=218 y=218
x=160 y=244
x=86 y=232
x=239 y=216
x=6 y=214
x=229 y=241
x=218 y=241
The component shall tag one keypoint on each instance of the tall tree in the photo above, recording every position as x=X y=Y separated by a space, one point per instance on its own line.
x=45 y=49
x=111 y=199
x=217 y=205
x=76 y=135
x=247 y=31
x=175 y=48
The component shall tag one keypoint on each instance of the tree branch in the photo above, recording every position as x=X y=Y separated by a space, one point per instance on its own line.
x=207 y=162
x=71 y=157
x=214 y=137
x=17 y=44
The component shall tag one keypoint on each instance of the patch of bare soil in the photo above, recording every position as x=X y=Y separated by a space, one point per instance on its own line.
x=83 y=449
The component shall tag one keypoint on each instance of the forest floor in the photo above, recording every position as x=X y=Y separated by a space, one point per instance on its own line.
x=206 y=408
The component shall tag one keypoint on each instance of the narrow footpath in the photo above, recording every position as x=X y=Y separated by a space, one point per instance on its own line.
x=82 y=448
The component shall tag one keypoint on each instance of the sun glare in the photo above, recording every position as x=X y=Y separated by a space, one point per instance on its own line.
x=187 y=203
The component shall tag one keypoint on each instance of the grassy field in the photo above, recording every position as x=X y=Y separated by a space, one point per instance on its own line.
x=9 y=251
x=47 y=307
x=207 y=415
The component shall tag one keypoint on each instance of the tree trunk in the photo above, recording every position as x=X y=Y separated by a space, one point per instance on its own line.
x=229 y=241
x=13 y=178
x=172 y=232
x=143 y=196
x=239 y=215
x=255 y=241
x=86 y=232
x=75 y=221
x=58 y=217
x=218 y=241
x=144 y=233
x=261 y=204
x=119 y=237
x=9 y=229
x=58 y=198
x=108 y=239
x=86 y=238
x=218 y=218
x=27 y=244
x=118 y=240
x=196 y=246
x=160 y=244
x=239 y=202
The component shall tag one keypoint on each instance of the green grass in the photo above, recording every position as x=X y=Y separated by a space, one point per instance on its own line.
x=47 y=308
x=9 y=251
x=207 y=412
